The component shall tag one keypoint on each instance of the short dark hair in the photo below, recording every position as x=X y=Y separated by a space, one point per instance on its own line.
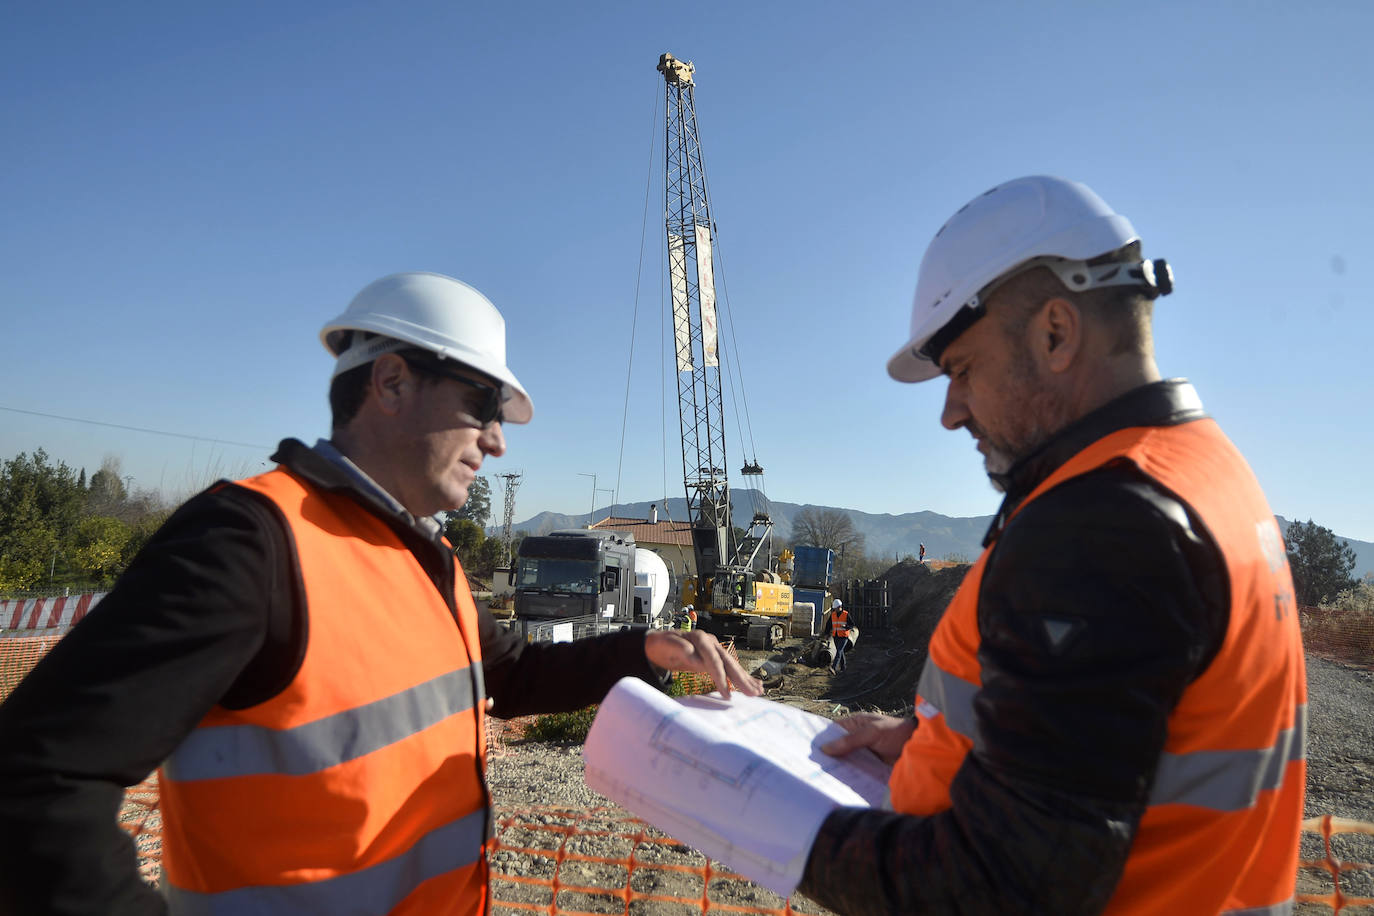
x=1125 y=310
x=347 y=392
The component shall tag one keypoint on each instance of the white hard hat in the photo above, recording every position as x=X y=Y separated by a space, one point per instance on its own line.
x=836 y=603
x=435 y=313
x=1062 y=221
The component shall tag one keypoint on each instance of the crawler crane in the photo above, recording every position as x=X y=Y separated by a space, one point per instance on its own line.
x=741 y=597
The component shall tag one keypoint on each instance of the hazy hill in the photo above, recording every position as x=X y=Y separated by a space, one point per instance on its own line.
x=885 y=535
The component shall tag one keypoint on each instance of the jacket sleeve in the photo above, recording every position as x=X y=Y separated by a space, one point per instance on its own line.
x=524 y=678
x=116 y=695
x=1101 y=602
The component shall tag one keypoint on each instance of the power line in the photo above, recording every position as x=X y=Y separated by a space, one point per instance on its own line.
x=137 y=429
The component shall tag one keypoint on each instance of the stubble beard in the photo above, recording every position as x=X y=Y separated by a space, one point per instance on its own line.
x=1032 y=424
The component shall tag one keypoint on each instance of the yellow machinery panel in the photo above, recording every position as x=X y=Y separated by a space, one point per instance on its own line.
x=772 y=599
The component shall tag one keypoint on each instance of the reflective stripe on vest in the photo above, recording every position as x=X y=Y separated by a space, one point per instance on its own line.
x=1220 y=780
x=248 y=750
x=359 y=787
x=371 y=890
x=1220 y=832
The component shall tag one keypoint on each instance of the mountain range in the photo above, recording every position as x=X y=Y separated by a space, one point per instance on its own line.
x=885 y=535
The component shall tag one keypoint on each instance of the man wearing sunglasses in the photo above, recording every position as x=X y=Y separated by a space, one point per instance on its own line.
x=299 y=655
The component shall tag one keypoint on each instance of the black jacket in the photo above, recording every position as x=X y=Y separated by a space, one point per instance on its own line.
x=1046 y=805
x=208 y=613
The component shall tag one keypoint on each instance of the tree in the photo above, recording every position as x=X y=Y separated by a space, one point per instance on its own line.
x=478 y=506
x=1321 y=565
x=107 y=493
x=834 y=529
x=98 y=546
x=1359 y=598
x=830 y=528
x=490 y=555
x=39 y=506
x=465 y=535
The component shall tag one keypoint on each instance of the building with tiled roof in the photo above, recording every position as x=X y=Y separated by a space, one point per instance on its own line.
x=672 y=541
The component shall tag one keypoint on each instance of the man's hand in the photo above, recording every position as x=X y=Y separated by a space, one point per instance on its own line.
x=883 y=735
x=698 y=651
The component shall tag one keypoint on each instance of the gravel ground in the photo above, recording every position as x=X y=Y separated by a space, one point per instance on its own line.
x=531 y=777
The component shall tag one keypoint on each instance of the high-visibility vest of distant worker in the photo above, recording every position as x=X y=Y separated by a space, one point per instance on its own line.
x=839 y=620
x=839 y=631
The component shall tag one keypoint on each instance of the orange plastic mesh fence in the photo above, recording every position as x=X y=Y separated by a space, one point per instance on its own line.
x=693 y=682
x=142 y=819
x=18 y=655
x=597 y=861
x=1343 y=634
x=1326 y=826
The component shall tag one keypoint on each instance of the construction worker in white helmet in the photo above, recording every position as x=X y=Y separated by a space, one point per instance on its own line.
x=300 y=654
x=838 y=626
x=1111 y=715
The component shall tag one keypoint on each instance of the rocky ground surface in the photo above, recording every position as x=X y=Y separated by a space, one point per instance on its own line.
x=543 y=805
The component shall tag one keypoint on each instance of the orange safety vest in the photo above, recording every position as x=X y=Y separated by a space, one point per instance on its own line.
x=1220 y=832
x=360 y=787
x=839 y=623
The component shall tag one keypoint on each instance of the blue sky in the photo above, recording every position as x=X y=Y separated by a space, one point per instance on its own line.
x=191 y=190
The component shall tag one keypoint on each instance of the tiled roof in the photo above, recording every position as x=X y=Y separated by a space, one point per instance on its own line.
x=646 y=532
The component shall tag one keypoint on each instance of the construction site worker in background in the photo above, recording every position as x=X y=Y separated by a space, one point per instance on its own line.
x=1112 y=714
x=839 y=632
x=300 y=654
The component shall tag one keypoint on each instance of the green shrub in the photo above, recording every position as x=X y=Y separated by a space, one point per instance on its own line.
x=573 y=726
x=562 y=726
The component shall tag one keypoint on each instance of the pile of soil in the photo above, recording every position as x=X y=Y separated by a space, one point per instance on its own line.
x=884 y=664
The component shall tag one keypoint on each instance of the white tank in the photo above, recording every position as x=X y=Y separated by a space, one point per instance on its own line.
x=651 y=581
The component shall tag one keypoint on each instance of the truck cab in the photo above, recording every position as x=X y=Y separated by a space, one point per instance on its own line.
x=574 y=583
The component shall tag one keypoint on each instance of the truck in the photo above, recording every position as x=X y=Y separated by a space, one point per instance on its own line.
x=580 y=582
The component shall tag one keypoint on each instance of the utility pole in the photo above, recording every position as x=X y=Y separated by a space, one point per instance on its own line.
x=604 y=490
x=592 y=510
x=512 y=483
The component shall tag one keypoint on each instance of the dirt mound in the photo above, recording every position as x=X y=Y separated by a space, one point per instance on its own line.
x=884 y=664
x=919 y=596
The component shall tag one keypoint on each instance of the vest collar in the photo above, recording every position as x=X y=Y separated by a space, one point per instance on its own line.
x=327 y=467
x=1164 y=403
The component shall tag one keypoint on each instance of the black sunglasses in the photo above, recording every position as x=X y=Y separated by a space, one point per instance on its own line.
x=488 y=411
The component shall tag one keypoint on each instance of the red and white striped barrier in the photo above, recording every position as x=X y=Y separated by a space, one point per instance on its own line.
x=46 y=613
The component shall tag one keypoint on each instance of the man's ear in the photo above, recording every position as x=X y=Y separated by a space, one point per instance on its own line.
x=392 y=381
x=1057 y=334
